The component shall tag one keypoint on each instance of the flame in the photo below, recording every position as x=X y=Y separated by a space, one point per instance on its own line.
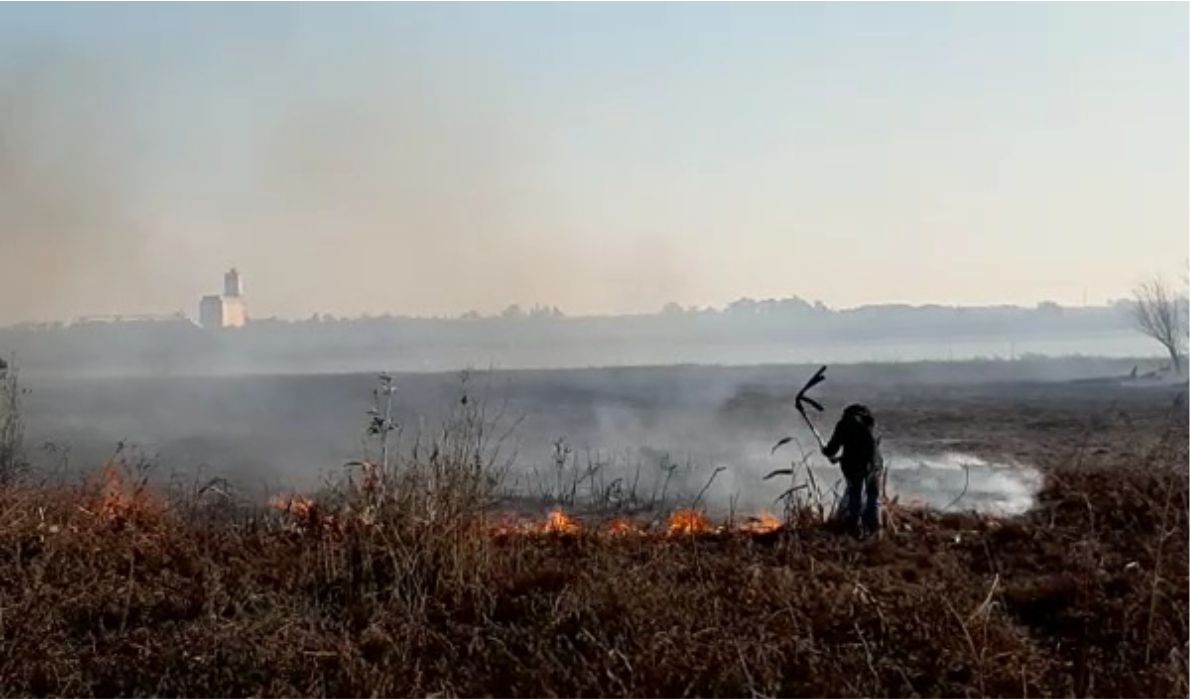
x=296 y=505
x=560 y=523
x=557 y=522
x=305 y=512
x=622 y=526
x=112 y=498
x=688 y=522
x=762 y=524
x=118 y=501
x=681 y=522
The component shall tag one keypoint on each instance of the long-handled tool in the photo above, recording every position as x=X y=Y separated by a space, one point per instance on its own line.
x=801 y=401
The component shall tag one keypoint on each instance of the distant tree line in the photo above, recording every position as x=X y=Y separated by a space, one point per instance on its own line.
x=539 y=335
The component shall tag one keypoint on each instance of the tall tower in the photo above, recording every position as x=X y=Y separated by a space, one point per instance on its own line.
x=231 y=283
x=226 y=311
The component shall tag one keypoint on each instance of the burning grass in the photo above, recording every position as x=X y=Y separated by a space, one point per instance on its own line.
x=410 y=582
x=683 y=522
x=107 y=590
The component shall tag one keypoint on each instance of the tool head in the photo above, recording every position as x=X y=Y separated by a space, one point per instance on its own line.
x=818 y=377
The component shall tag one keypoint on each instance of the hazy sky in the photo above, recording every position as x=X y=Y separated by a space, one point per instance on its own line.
x=432 y=159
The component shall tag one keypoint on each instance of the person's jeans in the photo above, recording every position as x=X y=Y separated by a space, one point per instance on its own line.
x=857 y=507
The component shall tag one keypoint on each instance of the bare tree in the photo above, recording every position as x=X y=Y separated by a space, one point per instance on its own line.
x=1160 y=312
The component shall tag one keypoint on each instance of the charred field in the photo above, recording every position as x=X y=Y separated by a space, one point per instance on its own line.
x=410 y=582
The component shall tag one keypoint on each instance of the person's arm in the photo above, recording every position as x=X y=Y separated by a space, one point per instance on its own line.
x=832 y=447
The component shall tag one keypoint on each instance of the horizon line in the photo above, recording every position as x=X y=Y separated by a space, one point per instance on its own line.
x=551 y=312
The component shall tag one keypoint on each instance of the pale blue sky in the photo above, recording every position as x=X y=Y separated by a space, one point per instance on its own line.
x=604 y=158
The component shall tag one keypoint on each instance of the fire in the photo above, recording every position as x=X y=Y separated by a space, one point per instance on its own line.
x=762 y=524
x=680 y=522
x=622 y=526
x=112 y=498
x=560 y=523
x=120 y=501
x=296 y=505
x=305 y=512
x=688 y=522
x=557 y=522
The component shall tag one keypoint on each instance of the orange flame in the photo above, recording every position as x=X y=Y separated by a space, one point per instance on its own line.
x=688 y=522
x=296 y=505
x=762 y=524
x=560 y=523
x=681 y=522
x=622 y=526
x=119 y=501
x=112 y=498
x=305 y=512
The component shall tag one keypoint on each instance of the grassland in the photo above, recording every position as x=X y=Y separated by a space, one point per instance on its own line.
x=402 y=584
x=404 y=587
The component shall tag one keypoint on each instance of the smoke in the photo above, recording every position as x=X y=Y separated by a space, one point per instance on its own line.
x=653 y=429
x=71 y=239
x=956 y=481
x=431 y=160
x=381 y=180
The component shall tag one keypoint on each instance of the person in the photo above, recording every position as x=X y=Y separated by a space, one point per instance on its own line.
x=862 y=466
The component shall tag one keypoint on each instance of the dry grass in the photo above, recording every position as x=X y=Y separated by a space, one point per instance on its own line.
x=397 y=586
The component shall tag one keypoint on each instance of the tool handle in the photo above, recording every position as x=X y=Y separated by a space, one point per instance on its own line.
x=813 y=429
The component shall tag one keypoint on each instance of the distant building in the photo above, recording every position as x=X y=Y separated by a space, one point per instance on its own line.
x=210 y=311
x=231 y=283
x=226 y=311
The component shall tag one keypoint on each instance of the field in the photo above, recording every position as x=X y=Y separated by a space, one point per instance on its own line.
x=416 y=581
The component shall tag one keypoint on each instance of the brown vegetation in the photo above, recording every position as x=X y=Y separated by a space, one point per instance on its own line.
x=404 y=589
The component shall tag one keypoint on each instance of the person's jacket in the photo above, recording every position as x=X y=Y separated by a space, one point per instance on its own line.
x=856 y=435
